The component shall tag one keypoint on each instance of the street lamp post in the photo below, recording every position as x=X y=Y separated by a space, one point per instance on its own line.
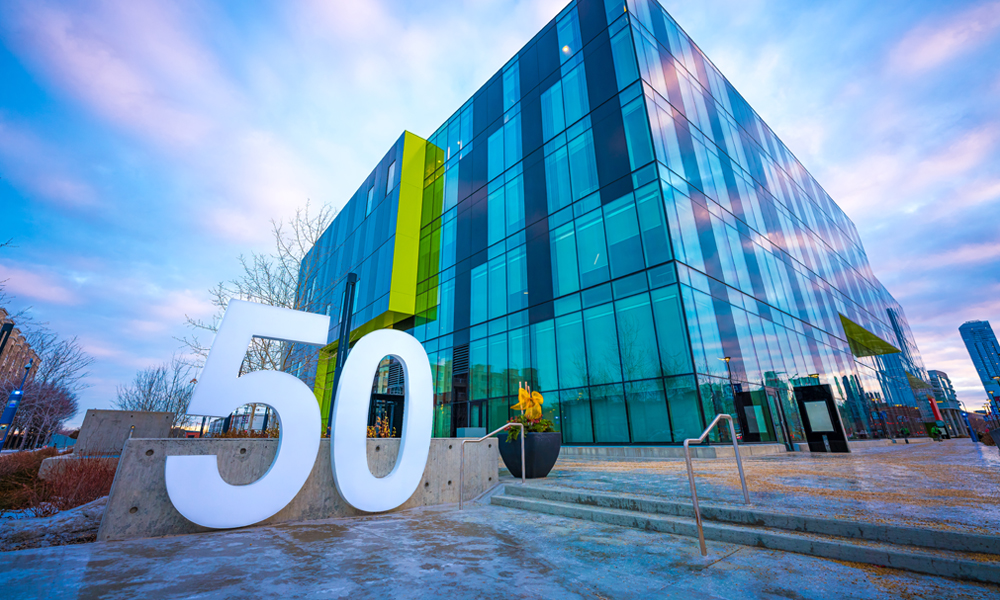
x=13 y=402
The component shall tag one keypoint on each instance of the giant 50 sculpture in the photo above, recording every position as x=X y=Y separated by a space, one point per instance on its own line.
x=194 y=484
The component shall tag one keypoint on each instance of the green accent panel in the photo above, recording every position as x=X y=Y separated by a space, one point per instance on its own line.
x=410 y=258
x=864 y=342
x=916 y=383
x=403 y=288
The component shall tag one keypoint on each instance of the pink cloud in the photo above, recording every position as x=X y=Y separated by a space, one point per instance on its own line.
x=937 y=42
x=35 y=285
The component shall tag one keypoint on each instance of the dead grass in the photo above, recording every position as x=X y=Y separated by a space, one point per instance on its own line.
x=77 y=482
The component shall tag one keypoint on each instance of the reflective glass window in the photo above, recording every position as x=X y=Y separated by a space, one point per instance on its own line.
x=603 y=358
x=498 y=365
x=582 y=164
x=511 y=85
x=592 y=249
x=478 y=369
x=607 y=403
x=553 y=117
x=576 y=422
x=568 y=32
x=496 y=220
x=565 y=279
x=624 y=244
x=647 y=411
x=574 y=91
x=640 y=147
x=543 y=356
x=497 y=287
x=495 y=151
x=514 y=200
x=637 y=338
x=572 y=363
x=557 y=181
x=517 y=279
x=682 y=398
x=478 y=294
x=623 y=55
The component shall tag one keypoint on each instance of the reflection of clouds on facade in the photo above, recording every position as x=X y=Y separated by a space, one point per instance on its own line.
x=159 y=141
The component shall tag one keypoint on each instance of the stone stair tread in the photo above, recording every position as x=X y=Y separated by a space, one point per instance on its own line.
x=979 y=544
x=966 y=565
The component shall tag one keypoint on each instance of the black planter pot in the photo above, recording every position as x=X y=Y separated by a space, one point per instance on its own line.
x=540 y=453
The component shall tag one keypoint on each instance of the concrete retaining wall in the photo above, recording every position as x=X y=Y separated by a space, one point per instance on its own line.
x=104 y=431
x=715 y=451
x=139 y=507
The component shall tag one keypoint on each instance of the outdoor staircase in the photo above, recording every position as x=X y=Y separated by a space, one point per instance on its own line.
x=945 y=553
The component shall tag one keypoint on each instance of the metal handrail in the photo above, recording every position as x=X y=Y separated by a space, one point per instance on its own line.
x=694 y=493
x=461 y=465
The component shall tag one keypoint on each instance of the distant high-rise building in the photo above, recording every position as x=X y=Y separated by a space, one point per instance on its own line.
x=985 y=353
x=947 y=401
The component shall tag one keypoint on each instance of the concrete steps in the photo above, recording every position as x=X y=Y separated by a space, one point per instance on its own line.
x=943 y=553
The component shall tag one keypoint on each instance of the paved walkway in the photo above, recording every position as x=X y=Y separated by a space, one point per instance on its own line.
x=482 y=552
x=953 y=484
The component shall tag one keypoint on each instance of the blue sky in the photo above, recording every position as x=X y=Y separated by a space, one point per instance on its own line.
x=145 y=145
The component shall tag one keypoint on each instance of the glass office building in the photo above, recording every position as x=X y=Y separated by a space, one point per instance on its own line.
x=984 y=350
x=608 y=220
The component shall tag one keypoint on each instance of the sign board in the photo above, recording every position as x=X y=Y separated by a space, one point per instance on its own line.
x=194 y=484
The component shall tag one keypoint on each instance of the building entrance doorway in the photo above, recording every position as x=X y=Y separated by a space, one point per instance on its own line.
x=778 y=410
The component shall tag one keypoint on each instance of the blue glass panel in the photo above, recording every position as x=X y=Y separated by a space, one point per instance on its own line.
x=647 y=412
x=582 y=165
x=557 y=180
x=498 y=288
x=637 y=338
x=544 y=373
x=603 y=358
x=593 y=254
x=498 y=365
x=553 y=117
x=565 y=279
x=496 y=219
x=517 y=279
x=568 y=32
x=610 y=421
x=624 y=243
x=478 y=294
x=574 y=89
x=576 y=423
x=572 y=362
x=495 y=150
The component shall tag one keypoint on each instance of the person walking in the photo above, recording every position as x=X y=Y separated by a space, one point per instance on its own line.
x=905 y=433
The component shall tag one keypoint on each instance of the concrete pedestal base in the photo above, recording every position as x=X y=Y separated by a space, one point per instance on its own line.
x=139 y=507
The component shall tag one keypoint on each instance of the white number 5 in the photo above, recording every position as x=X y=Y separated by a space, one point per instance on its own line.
x=194 y=484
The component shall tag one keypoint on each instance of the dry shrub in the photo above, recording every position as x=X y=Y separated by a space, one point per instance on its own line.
x=19 y=470
x=270 y=432
x=988 y=440
x=75 y=482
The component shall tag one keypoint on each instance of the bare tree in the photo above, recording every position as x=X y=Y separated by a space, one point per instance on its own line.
x=44 y=408
x=271 y=279
x=166 y=388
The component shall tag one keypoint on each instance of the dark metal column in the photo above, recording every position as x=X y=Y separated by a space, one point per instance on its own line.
x=343 y=340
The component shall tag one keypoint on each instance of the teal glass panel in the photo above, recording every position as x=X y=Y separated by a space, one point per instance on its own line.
x=624 y=243
x=593 y=254
x=607 y=403
x=442 y=420
x=519 y=350
x=517 y=279
x=544 y=371
x=495 y=154
x=647 y=411
x=571 y=358
x=514 y=202
x=582 y=165
x=511 y=85
x=498 y=412
x=498 y=287
x=637 y=338
x=685 y=416
x=577 y=425
x=603 y=358
x=551 y=409
x=640 y=146
x=565 y=279
x=574 y=89
x=568 y=32
x=557 y=181
x=652 y=224
x=498 y=365
x=675 y=356
x=451 y=187
x=478 y=369
x=717 y=398
x=623 y=55
x=496 y=221
x=553 y=117
x=478 y=294
x=512 y=141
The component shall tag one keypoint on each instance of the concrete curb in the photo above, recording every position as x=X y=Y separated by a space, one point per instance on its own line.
x=948 y=541
x=800 y=543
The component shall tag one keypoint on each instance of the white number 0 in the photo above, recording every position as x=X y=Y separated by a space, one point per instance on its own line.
x=194 y=484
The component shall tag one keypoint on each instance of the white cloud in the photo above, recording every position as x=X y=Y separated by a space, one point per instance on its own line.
x=936 y=41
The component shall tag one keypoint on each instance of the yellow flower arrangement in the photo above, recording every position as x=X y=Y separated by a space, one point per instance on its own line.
x=529 y=403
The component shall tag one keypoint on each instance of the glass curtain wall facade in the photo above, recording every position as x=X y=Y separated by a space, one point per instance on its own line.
x=608 y=220
x=984 y=350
